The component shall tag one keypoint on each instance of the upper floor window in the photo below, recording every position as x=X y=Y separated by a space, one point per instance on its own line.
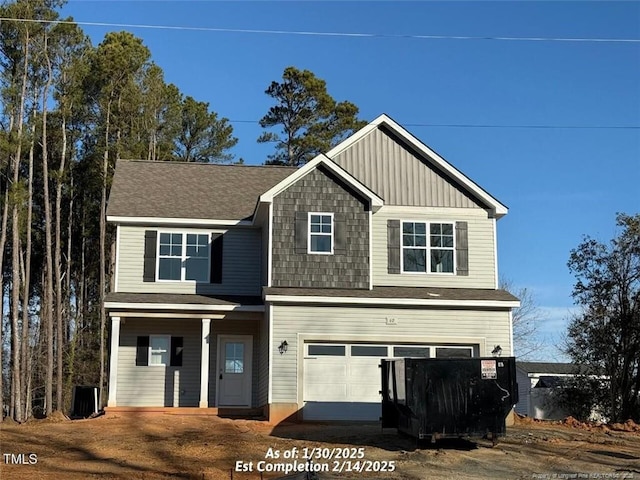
x=427 y=247
x=320 y=233
x=183 y=256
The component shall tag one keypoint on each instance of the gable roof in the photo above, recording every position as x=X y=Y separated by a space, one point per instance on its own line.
x=426 y=155
x=185 y=190
x=375 y=200
x=547 y=368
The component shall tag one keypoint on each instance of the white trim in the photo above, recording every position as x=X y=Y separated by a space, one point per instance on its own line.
x=376 y=201
x=498 y=209
x=171 y=315
x=204 y=363
x=392 y=301
x=370 y=250
x=270 y=246
x=203 y=222
x=495 y=251
x=183 y=306
x=428 y=247
x=248 y=366
x=511 y=349
x=117 y=272
x=269 y=347
x=113 y=362
x=309 y=233
x=168 y=352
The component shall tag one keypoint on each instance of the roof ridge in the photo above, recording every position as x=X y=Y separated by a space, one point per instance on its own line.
x=182 y=162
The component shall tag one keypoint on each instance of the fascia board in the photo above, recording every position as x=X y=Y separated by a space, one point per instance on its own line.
x=122 y=220
x=267 y=197
x=182 y=306
x=391 y=301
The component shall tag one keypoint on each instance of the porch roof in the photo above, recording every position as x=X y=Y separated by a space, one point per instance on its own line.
x=400 y=292
x=176 y=301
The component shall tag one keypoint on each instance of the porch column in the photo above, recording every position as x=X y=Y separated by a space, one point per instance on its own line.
x=113 y=361
x=204 y=364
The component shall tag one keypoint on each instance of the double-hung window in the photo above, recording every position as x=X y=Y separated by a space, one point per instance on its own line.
x=320 y=233
x=159 y=347
x=427 y=247
x=183 y=256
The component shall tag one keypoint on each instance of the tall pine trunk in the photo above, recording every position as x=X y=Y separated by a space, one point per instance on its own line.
x=61 y=337
x=27 y=282
x=47 y=234
x=103 y=235
x=16 y=400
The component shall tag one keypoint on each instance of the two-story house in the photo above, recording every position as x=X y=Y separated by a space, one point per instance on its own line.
x=282 y=288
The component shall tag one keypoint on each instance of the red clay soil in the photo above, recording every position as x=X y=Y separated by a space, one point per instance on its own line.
x=154 y=447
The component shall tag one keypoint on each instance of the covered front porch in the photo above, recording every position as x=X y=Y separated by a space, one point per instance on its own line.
x=203 y=356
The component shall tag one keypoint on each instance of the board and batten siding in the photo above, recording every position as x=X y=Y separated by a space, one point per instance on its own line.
x=524 y=392
x=481 y=234
x=159 y=386
x=371 y=325
x=241 y=264
x=398 y=175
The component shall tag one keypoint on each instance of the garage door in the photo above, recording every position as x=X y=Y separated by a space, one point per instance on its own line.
x=342 y=381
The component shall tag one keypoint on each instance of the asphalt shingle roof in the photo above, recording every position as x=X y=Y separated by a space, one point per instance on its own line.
x=190 y=190
x=548 y=368
x=399 y=292
x=182 y=299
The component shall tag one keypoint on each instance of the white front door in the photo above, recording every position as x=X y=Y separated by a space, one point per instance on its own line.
x=234 y=370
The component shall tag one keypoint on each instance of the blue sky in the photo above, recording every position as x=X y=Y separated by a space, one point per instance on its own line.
x=559 y=183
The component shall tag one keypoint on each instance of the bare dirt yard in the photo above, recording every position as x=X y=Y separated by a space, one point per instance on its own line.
x=202 y=447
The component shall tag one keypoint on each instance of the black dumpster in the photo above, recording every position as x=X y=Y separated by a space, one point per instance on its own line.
x=432 y=398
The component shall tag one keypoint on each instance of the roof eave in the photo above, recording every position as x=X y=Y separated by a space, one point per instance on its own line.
x=191 y=222
x=312 y=299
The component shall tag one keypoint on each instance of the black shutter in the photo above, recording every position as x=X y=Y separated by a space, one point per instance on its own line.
x=340 y=234
x=462 y=249
x=150 y=241
x=393 y=246
x=142 y=351
x=301 y=231
x=216 y=258
x=176 y=351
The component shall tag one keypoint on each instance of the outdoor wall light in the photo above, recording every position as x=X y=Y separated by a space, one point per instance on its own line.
x=283 y=347
x=497 y=351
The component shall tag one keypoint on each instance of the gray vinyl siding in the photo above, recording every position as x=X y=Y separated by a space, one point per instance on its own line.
x=156 y=386
x=488 y=328
x=241 y=267
x=320 y=191
x=398 y=175
x=263 y=363
x=524 y=392
x=234 y=327
x=481 y=234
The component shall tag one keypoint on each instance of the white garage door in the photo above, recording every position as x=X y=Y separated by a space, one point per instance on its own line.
x=342 y=380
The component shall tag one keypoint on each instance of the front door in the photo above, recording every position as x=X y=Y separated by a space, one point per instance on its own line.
x=234 y=370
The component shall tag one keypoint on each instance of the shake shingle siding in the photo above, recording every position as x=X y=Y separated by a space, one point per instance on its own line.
x=320 y=191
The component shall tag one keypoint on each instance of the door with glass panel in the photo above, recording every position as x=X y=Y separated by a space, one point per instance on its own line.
x=234 y=370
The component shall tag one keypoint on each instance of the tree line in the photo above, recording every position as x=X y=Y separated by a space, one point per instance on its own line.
x=70 y=109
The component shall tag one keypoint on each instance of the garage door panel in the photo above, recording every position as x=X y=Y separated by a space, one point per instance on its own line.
x=327 y=392
x=365 y=392
x=345 y=411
